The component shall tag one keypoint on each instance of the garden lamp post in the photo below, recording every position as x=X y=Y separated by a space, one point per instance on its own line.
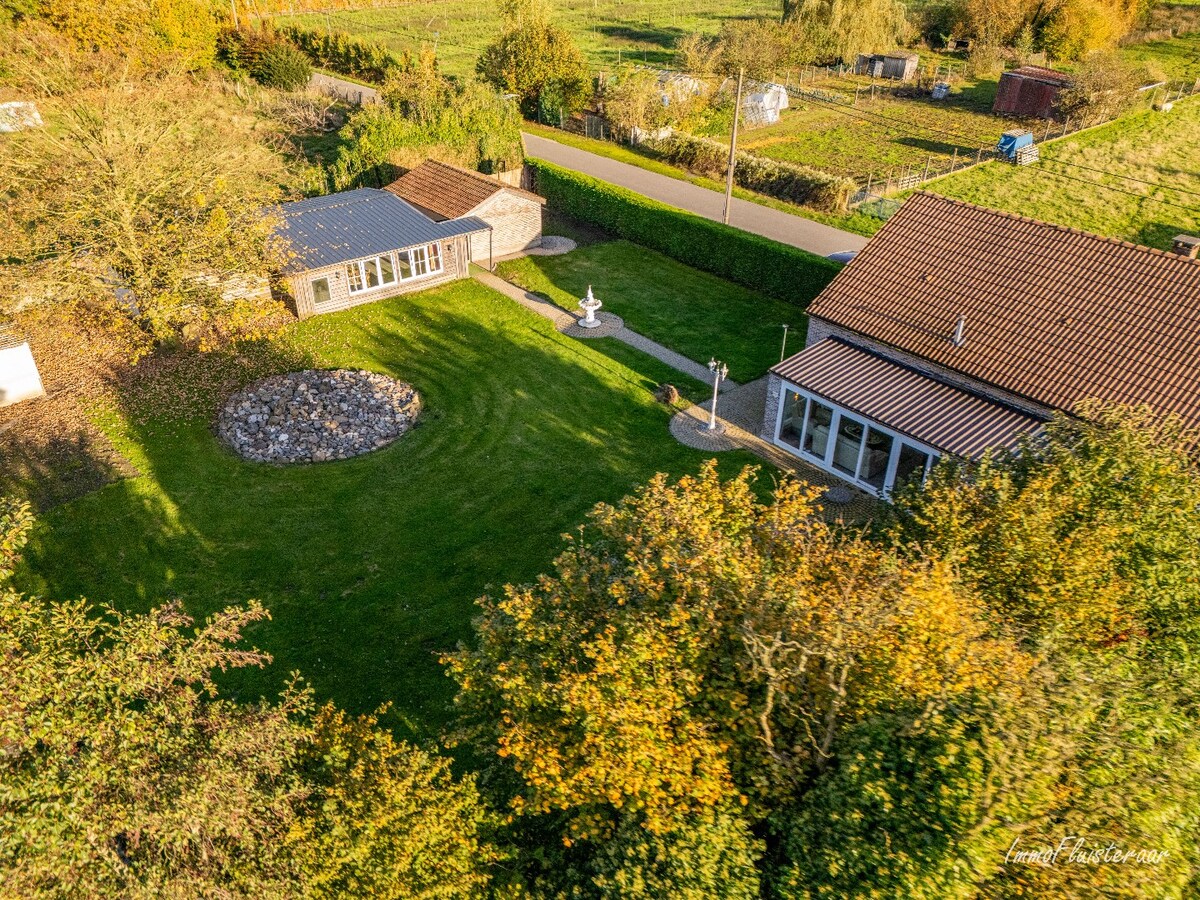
x=783 y=349
x=720 y=371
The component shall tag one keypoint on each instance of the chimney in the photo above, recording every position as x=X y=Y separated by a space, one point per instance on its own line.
x=959 y=332
x=1186 y=245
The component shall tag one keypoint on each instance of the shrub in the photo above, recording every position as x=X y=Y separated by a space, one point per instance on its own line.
x=796 y=184
x=282 y=66
x=759 y=263
x=339 y=52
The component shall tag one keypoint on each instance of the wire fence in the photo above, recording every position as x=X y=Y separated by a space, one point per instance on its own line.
x=880 y=186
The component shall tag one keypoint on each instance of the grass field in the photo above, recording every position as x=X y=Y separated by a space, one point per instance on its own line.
x=370 y=566
x=1147 y=188
x=697 y=315
x=608 y=31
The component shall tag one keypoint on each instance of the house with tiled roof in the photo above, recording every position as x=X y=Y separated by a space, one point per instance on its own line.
x=959 y=329
x=363 y=245
x=443 y=192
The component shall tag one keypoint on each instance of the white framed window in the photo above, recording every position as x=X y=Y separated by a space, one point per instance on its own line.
x=850 y=446
x=418 y=262
x=320 y=291
x=370 y=274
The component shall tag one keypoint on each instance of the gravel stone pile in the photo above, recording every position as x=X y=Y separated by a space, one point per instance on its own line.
x=316 y=416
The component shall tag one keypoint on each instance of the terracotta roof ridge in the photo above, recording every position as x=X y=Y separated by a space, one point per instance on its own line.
x=1067 y=229
x=478 y=176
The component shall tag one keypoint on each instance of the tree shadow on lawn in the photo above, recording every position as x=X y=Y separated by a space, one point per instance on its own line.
x=370 y=566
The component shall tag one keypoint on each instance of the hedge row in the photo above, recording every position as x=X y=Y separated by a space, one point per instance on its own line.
x=340 y=53
x=779 y=270
x=786 y=181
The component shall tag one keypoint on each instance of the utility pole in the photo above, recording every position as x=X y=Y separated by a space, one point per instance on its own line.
x=737 y=111
x=233 y=6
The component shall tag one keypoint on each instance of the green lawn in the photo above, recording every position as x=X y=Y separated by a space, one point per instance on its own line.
x=370 y=566
x=1137 y=152
x=693 y=313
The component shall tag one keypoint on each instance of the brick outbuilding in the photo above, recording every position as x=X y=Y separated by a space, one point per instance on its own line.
x=445 y=192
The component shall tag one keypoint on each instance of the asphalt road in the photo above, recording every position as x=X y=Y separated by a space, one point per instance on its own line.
x=780 y=226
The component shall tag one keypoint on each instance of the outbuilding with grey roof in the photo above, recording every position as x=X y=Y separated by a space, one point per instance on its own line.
x=366 y=244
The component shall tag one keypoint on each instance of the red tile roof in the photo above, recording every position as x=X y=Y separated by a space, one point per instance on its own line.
x=448 y=191
x=951 y=420
x=1040 y=73
x=1053 y=314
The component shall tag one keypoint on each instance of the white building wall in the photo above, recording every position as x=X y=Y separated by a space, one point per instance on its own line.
x=19 y=378
x=516 y=225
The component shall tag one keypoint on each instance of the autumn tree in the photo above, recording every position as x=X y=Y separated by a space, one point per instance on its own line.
x=124 y=773
x=146 y=35
x=535 y=59
x=839 y=30
x=696 y=644
x=139 y=203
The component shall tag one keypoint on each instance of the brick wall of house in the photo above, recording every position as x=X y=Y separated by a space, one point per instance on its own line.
x=774 y=392
x=297 y=289
x=516 y=225
x=819 y=330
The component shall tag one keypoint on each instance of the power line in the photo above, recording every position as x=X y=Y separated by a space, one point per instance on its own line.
x=1153 y=184
x=1109 y=187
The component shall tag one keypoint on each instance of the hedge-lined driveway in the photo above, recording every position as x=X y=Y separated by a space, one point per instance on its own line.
x=762 y=220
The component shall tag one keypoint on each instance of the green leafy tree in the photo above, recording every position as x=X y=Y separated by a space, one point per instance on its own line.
x=536 y=60
x=123 y=773
x=427 y=115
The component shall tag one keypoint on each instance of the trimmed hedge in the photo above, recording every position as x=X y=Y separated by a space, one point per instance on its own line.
x=796 y=184
x=759 y=263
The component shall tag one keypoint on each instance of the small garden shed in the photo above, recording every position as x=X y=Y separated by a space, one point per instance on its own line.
x=445 y=192
x=1029 y=92
x=900 y=66
x=366 y=244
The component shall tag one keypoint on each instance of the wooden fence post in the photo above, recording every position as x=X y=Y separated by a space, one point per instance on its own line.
x=928 y=160
x=954 y=160
x=979 y=156
x=870 y=178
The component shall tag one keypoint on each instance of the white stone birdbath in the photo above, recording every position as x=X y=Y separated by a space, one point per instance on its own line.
x=589 y=305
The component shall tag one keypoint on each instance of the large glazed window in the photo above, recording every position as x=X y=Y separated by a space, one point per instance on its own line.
x=791 y=426
x=877 y=453
x=911 y=465
x=865 y=453
x=816 y=437
x=418 y=262
x=849 y=442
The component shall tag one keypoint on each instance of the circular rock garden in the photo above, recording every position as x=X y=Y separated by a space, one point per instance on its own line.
x=316 y=416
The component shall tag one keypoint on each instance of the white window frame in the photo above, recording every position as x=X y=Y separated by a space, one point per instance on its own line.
x=312 y=286
x=826 y=463
x=419 y=258
x=371 y=264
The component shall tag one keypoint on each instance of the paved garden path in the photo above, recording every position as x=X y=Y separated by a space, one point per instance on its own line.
x=566 y=322
x=741 y=413
x=350 y=91
x=763 y=220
